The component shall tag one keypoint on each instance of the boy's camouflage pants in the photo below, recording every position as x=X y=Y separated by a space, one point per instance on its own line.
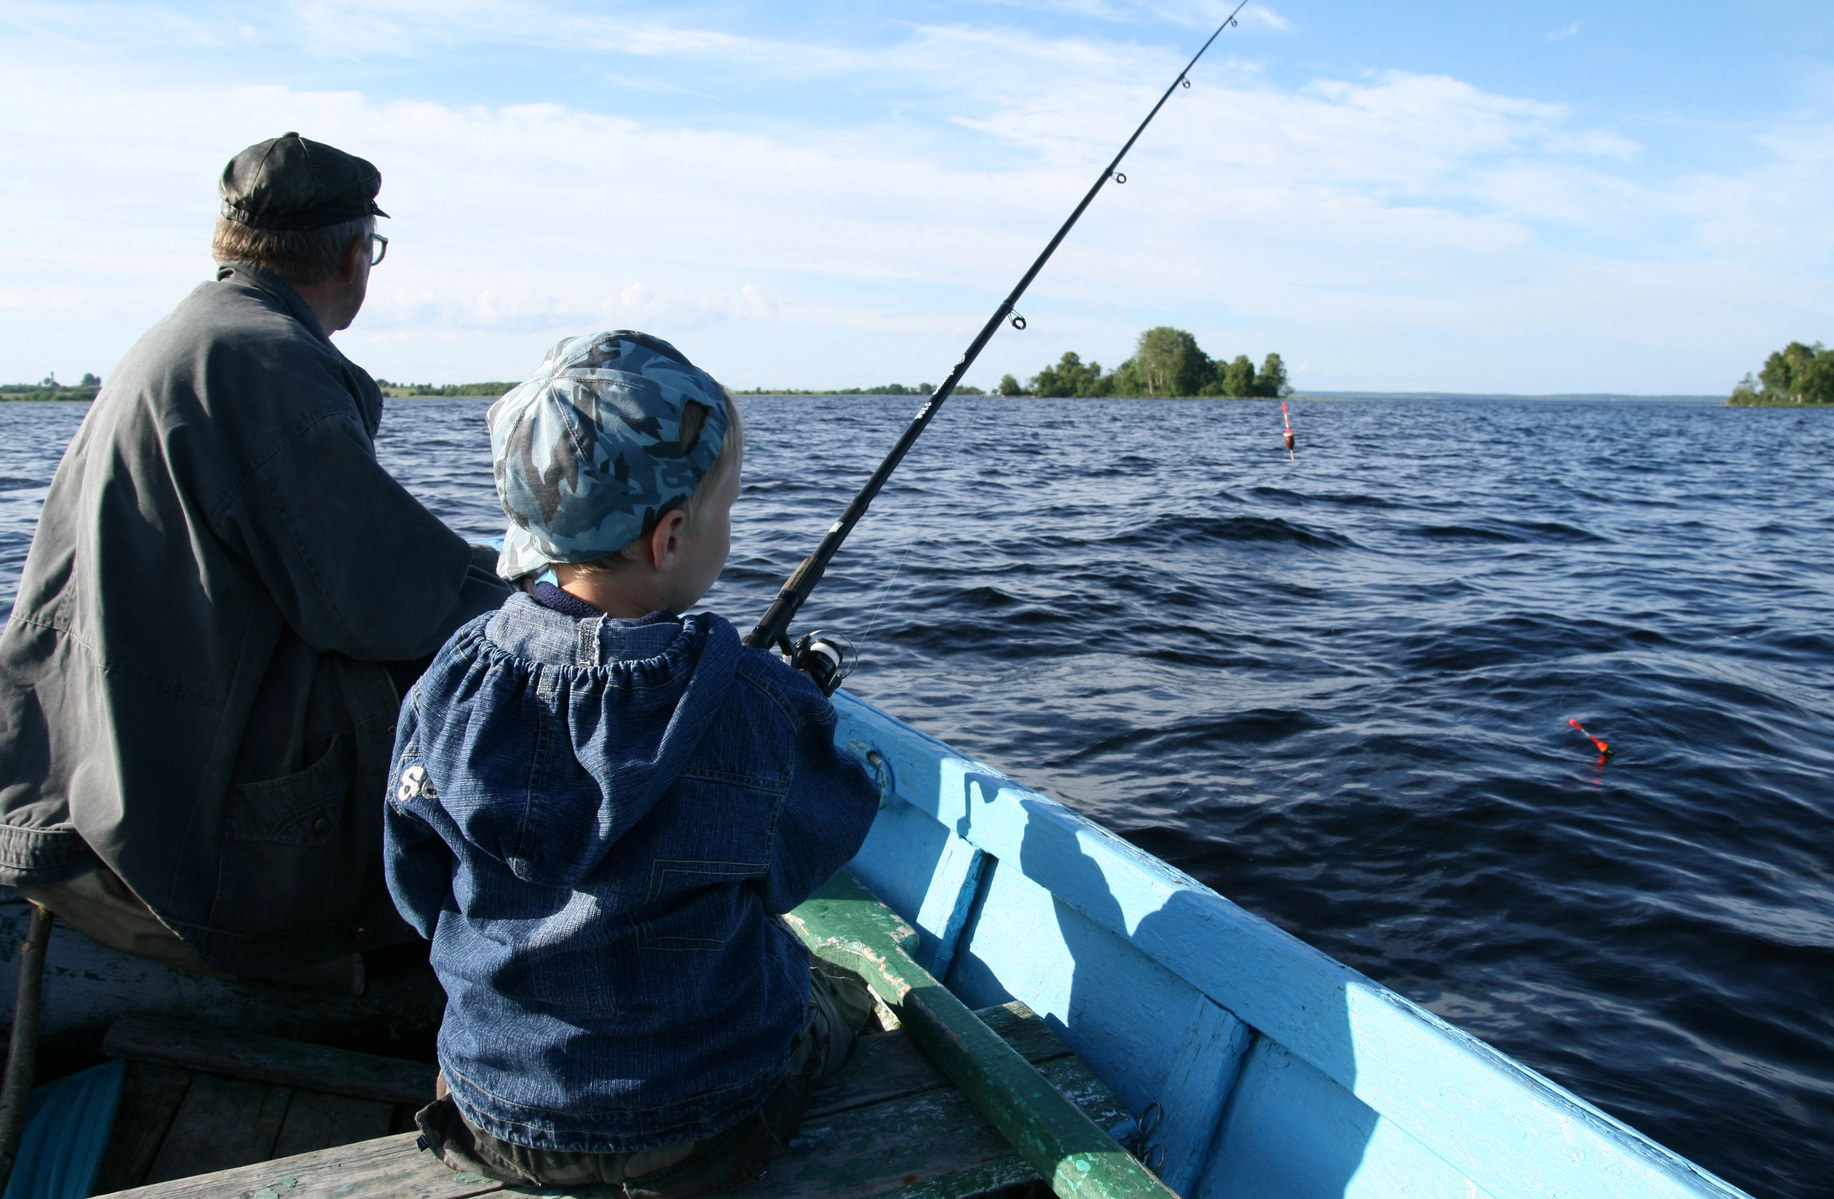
x=840 y=1007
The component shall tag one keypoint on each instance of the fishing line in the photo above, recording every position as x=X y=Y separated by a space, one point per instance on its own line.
x=773 y=628
x=872 y=621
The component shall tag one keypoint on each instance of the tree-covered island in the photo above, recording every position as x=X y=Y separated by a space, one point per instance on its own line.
x=883 y=389
x=1166 y=362
x=48 y=389
x=1797 y=374
x=412 y=391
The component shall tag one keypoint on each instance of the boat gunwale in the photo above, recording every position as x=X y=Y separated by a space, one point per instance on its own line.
x=1429 y=1068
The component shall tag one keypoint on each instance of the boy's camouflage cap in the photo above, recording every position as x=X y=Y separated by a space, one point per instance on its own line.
x=588 y=453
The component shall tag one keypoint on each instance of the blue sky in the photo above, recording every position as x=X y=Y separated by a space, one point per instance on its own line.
x=1505 y=197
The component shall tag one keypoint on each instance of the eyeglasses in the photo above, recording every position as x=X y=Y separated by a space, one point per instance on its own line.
x=378 y=248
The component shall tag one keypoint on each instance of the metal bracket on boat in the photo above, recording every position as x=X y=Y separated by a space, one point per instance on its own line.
x=881 y=768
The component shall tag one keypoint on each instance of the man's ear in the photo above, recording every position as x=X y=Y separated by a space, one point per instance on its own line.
x=358 y=246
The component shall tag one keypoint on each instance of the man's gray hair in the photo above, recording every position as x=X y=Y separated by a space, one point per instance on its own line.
x=301 y=257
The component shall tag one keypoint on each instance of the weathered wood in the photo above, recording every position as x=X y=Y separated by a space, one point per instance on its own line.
x=936 y=1141
x=1020 y=1027
x=890 y=1065
x=1203 y=1075
x=846 y=923
x=930 y=1145
x=151 y=1095
x=318 y=1121
x=946 y=904
x=271 y=1059
x=388 y=1168
x=223 y=1123
x=1006 y=1178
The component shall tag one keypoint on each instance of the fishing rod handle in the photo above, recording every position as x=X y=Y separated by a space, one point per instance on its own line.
x=774 y=626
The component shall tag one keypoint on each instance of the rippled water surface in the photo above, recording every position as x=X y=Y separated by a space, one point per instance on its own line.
x=1338 y=690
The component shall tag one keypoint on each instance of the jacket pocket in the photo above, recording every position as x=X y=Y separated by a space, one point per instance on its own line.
x=301 y=808
x=697 y=906
x=294 y=848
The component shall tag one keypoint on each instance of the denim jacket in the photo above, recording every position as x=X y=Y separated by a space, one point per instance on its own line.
x=595 y=821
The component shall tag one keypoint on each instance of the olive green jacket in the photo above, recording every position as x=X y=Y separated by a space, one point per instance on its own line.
x=192 y=682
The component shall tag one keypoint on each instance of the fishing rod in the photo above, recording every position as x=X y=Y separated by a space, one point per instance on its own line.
x=823 y=659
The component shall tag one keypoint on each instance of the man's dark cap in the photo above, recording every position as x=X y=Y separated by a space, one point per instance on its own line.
x=288 y=183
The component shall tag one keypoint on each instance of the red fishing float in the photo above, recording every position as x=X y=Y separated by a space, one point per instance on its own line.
x=1287 y=421
x=1604 y=751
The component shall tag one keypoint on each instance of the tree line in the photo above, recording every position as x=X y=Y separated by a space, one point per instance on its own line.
x=48 y=388
x=403 y=391
x=1166 y=362
x=1795 y=374
x=883 y=389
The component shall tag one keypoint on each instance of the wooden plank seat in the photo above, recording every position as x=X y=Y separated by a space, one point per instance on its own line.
x=890 y=1124
x=197 y=1100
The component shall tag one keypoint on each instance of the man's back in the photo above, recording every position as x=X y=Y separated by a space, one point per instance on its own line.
x=191 y=688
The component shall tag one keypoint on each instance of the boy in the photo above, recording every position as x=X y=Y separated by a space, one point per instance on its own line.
x=597 y=806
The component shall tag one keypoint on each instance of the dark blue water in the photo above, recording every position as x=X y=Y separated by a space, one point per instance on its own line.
x=1338 y=691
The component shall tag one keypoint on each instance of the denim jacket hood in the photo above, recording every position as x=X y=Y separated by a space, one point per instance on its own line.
x=652 y=689
x=595 y=822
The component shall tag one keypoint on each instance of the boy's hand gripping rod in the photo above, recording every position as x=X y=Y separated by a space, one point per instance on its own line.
x=774 y=628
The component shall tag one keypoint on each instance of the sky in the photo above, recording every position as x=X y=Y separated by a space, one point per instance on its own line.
x=1523 y=198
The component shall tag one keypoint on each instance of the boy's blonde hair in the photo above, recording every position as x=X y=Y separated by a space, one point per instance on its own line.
x=730 y=459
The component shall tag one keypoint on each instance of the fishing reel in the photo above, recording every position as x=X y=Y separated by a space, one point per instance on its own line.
x=825 y=658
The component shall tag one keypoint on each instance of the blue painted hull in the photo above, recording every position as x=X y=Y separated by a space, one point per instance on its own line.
x=1280 y=1071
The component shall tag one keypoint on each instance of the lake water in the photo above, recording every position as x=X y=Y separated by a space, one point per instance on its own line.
x=1338 y=691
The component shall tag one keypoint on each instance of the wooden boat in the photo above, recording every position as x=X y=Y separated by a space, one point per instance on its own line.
x=1238 y=1062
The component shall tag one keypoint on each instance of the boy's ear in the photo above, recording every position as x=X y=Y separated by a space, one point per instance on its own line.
x=665 y=540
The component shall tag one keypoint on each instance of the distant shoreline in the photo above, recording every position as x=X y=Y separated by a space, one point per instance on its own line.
x=1567 y=397
x=1328 y=396
x=83 y=395
x=49 y=395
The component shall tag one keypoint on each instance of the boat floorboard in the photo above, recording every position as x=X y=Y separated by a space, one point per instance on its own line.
x=196 y=1100
x=890 y=1124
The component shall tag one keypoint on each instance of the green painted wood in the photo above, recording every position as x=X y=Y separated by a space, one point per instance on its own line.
x=891 y=1066
x=935 y=1144
x=845 y=923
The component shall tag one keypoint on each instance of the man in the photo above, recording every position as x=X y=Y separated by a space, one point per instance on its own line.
x=224 y=600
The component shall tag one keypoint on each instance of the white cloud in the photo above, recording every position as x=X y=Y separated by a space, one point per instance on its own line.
x=1397 y=230
x=1561 y=34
